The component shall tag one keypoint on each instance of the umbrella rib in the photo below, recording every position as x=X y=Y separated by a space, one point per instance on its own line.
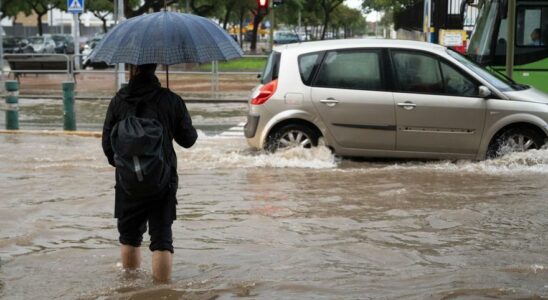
x=142 y=43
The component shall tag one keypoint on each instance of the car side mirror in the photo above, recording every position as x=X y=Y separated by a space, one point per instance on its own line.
x=484 y=92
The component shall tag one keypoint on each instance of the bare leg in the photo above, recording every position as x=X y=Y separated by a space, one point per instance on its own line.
x=161 y=266
x=131 y=257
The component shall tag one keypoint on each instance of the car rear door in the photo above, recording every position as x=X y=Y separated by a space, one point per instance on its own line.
x=349 y=93
x=437 y=106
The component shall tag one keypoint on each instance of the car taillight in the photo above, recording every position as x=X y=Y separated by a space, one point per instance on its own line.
x=265 y=92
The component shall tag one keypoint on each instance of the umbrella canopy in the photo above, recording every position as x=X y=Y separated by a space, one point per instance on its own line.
x=166 y=38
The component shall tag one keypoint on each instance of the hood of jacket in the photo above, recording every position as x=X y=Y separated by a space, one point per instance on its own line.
x=141 y=87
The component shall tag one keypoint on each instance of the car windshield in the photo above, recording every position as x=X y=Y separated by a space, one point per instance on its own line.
x=36 y=40
x=498 y=80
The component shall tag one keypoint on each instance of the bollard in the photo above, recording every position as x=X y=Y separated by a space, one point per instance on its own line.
x=12 y=103
x=68 y=106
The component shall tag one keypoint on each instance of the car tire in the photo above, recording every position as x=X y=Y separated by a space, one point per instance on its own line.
x=516 y=139
x=290 y=136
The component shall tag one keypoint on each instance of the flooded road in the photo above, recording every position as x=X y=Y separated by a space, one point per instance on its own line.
x=301 y=224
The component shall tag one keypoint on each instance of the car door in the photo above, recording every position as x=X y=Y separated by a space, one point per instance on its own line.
x=437 y=106
x=349 y=93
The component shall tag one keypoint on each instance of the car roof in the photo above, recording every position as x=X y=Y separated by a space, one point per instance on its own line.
x=306 y=47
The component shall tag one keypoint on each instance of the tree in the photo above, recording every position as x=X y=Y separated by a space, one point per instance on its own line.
x=328 y=6
x=387 y=5
x=40 y=8
x=11 y=8
x=203 y=7
x=134 y=8
x=100 y=9
x=350 y=20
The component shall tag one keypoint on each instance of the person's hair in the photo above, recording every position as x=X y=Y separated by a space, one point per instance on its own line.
x=134 y=70
x=148 y=68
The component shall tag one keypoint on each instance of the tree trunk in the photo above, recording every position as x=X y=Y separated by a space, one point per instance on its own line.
x=242 y=14
x=104 y=25
x=325 y=23
x=227 y=16
x=256 y=21
x=40 y=30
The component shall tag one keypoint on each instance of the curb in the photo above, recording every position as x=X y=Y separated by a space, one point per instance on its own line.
x=95 y=134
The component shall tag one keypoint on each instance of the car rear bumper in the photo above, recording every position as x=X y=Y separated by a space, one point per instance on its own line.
x=250 y=128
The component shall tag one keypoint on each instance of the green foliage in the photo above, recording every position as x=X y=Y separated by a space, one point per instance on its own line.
x=387 y=5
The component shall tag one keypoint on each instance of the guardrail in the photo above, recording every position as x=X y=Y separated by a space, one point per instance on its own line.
x=39 y=63
x=214 y=73
x=34 y=63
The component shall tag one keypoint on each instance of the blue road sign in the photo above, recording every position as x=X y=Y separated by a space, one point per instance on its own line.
x=75 y=6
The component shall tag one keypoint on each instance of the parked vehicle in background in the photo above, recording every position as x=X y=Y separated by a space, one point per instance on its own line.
x=64 y=43
x=391 y=98
x=14 y=44
x=285 y=37
x=86 y=52
x=40 y=44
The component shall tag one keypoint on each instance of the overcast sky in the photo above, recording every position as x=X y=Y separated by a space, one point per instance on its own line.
x=372 y=17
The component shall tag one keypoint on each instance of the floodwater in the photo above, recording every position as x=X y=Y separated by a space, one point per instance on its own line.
x=301 y=224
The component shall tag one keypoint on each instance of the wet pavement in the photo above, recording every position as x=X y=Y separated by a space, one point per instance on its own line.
x=300 y=224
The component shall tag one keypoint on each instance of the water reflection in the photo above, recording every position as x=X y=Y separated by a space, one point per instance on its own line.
x=293 y=225
x=48 y=114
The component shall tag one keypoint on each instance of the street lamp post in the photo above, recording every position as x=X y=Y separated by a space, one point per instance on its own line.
x=120 y=68
x=511 y=37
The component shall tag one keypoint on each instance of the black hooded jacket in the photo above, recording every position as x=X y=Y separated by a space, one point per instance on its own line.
x=154 y=102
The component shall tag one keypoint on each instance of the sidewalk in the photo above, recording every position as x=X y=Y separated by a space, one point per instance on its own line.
x=192 y=87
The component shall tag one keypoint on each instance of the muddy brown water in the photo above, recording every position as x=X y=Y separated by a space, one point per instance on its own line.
x=301 y=224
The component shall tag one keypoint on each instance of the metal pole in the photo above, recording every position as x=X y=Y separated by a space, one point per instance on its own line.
x=68 y=106
x=12 y=102
x=299 y=23
x=76 y=35
x=272 y=19
x=187 y=7
x=120 y=68
x=511 y=37
x=1 y=46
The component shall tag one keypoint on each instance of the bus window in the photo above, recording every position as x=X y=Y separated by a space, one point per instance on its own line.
x=532 y=26
x=501 y=38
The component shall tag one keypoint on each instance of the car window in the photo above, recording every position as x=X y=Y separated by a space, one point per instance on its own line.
x=532 y=26
x=457 y=84
x=356 y=69
x=417 y=73
x=307 y=63
x=272 y=67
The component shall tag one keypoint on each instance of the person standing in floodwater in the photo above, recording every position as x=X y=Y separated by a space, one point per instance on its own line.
x=144 y=97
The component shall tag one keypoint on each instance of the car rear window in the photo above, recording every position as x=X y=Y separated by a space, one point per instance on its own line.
x=307 y=64
x=272 y=68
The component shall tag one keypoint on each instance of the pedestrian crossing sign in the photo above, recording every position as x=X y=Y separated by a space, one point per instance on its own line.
x=75 y=6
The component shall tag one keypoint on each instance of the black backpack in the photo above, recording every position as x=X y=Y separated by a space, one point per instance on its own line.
x=142 y=166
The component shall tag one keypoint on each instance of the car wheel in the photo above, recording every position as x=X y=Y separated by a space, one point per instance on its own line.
x=517 y=139
x=292 y=136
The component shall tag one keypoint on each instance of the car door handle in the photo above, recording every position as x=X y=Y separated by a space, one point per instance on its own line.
x=408 y=105
x=329 y=102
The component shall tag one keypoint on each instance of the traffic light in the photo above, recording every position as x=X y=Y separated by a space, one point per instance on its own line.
x=263 y=7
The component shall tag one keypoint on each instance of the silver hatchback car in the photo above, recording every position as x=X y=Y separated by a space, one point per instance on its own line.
x=391 y=98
